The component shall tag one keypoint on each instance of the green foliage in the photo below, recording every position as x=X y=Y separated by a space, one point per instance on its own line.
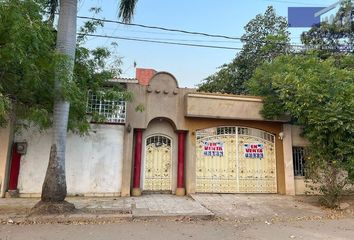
x=28 y=60
x=337 y=35
x=319 y=95
x=266 y=37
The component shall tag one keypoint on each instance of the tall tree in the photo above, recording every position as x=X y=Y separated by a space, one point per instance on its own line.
x=318 y=95
x=266 y=37
x=54 y=186
x=29 y=90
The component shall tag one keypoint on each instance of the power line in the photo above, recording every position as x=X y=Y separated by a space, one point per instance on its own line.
x=181 y=40
x=176 y=30
x=170 y=34
x=160 y=42
x=161 y=28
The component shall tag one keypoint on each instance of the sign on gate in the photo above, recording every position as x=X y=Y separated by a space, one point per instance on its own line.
x=213 y=148
x=253 y=150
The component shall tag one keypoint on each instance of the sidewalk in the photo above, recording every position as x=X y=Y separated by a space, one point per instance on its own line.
x=225 y=207
x=109 y=209
x=259 y=207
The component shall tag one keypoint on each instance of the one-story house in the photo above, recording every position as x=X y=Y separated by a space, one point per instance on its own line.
x=167 y=139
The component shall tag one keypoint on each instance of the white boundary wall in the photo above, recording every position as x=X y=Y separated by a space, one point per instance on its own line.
x=93 y=162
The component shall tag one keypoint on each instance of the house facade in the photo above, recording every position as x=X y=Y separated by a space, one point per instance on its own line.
x=167 y=139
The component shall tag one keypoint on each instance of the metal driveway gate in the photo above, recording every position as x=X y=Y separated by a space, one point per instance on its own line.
x=158 y=163
x=235 y=160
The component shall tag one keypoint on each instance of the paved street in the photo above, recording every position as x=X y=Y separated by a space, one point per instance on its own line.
x=175 y=230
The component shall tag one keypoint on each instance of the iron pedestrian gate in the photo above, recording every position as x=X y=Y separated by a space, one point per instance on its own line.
x=158 y=163
x=235 y=160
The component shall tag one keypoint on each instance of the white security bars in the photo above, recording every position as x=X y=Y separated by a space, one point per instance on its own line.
x=113 y=111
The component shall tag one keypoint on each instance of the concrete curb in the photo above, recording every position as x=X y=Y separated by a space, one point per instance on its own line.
x=66 y=219
x=98 y=218
x=192 y=217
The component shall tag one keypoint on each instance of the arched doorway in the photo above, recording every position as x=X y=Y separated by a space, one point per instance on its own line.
x=159 y=157
x=157 y=175
x=235 y=160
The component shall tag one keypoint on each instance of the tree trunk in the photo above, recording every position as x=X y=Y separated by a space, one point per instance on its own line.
x=54 y=186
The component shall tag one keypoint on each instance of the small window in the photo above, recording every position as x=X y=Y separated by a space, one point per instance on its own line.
x=226 y=131
x=299 y=155
x=158 y=141
x=113 y=111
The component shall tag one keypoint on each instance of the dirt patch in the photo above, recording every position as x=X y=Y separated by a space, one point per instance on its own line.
x=48 y=208
x=347 y=201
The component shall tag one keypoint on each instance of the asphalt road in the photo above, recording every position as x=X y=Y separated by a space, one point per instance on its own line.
x=177 y=230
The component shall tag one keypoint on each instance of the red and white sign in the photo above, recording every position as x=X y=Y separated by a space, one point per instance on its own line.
x=253 y=150
x=213 y=148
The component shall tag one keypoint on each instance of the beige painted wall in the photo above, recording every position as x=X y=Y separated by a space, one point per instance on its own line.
x=297 y=139
x=223 y=106
x=300 y=186
x=5 y=153
x=288 y=159
x=162 y=99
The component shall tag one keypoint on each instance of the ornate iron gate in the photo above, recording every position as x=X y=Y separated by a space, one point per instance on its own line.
x=158 y=164
x=235 y=160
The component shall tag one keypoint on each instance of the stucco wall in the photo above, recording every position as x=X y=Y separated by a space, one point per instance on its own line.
x=288 y=159
x=5 y=152
x=223 y=106
x=297 y=138
x=189 y=111
x=93 y=162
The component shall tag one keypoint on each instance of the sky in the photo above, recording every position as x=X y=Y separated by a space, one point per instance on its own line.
x=190 y=65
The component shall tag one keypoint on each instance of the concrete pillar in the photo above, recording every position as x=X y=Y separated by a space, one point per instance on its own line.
x=181 y=191
x=288 y=160
x=190 y=163
x=137 y=162
x=128 y=144
x=5 y=153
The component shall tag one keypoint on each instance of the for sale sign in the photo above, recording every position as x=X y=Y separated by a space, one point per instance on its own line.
x=253 y=150
x=213 y=148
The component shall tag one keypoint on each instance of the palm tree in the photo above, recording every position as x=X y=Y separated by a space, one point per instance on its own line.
x=126 y=10
x=54 y=187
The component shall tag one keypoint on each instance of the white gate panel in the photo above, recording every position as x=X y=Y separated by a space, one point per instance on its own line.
x=235 y=160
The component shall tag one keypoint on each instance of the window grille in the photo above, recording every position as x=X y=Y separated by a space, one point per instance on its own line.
x=225 y=130
x=158 y=141
x=299 y=155
x=113 y=111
